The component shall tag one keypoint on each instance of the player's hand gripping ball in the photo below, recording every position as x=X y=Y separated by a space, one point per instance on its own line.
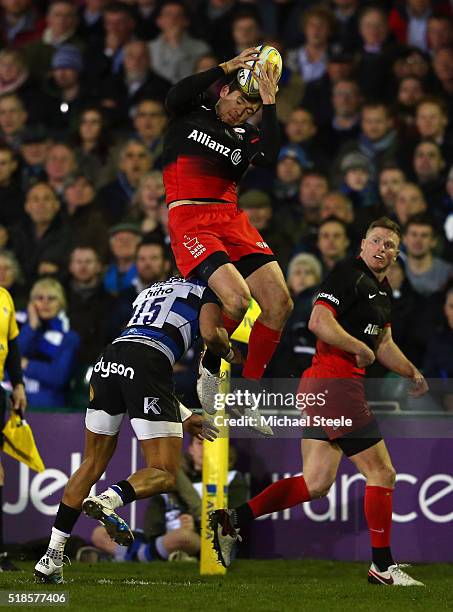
x=247 y=82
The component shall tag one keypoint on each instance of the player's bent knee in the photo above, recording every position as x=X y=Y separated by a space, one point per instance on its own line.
x=237 y=304
x=319 y=488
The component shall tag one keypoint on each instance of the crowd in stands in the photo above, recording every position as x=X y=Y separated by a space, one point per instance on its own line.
x=366 y=114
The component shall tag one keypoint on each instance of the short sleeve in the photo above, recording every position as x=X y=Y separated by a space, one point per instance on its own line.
x=337 y=292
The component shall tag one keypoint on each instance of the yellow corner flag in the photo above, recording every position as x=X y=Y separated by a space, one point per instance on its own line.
x=18 y=441
x=215 y=460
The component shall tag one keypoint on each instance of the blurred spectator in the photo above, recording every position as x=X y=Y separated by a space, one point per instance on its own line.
x=376 y=53
x=431 y=120
x=174 y=52
x=34 y=146
x=301 y=130
x=20 y=23
x=89 y=304
x=345 y=119
x=61 y=21
x=409 y=22
x=444 y=214
x=135 y=81
x=66 y=90
x=429 y=168
x=440 y=32
x=90 y=20
x=115 y=197
x=297 y=344
x=48 y=346
x=147 y=11
x=205 y=62
x=92 y=143
x=11 y=278
x=406 y=313
x=410 y=93
x=346 y=35
x=105 y=55
x=303 y=221
x=426 y=273
x=333 y=243
x=60 y=164
x=15 y=79
x=146 y=204
x=213 y=20
x=11 y=195
x=42 y=238
x=84 y=219
x=391 y=180
x=150 y=122
x=336 y=204
x=438 y=362
x=409 y=201
x=443 y=70
x=13 y=117
x=122 y=272
x=377 y=139
x=357 y=184
x=257 y=206
x=304 y=271
x=310 y=60
x=289 y=171
x=245 y=31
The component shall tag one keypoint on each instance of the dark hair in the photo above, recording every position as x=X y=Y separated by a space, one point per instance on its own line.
x=333 y=219
x=320 y=12
x=7 y=148
x=120 y=7
x=385 y=223
x=420 y=219
x=377 y=104
x=437 y=101
x=154 y=242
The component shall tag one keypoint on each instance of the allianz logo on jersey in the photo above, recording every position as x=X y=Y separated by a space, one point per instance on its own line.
x=207 y=141
x=372 y=329
x=111 y=367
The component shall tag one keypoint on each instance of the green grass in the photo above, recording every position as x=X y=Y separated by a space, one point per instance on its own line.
x=249 y=585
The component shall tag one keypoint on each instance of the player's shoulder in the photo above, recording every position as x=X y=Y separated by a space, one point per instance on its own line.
x=5 y=297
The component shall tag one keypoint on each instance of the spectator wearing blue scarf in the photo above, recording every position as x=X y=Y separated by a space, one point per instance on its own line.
x=48 y=346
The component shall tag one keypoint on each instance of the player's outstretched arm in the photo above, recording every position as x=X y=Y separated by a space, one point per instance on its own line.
x=325 y=327
x=188 y=90
x=390 y=356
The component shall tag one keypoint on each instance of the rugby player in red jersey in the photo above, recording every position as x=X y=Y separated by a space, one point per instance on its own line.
x=351 y=319
x=207 y=149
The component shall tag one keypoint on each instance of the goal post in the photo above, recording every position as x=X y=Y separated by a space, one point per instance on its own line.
x=215 y=461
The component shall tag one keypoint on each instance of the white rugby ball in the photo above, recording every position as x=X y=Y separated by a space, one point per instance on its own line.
x=247 y=82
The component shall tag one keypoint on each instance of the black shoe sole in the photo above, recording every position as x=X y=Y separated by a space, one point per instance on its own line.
x=43 y=579
x=214 y=524
x=94 y=510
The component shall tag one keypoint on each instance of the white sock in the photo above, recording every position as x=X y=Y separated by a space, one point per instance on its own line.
x=113 y=497
x=159 y=544
x=57 y=543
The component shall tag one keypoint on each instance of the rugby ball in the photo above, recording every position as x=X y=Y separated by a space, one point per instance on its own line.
x=247 y=82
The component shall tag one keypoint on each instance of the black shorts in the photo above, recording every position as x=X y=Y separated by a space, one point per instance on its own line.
x=350 y=443
x=133 y=378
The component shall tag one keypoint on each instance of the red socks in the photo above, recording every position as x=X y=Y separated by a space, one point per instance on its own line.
x=378 y=514
x=262 y=344
x=282 y=494
x=230 y=324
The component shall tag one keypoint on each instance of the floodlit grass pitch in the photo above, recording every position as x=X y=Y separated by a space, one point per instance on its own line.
x=264 y=586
